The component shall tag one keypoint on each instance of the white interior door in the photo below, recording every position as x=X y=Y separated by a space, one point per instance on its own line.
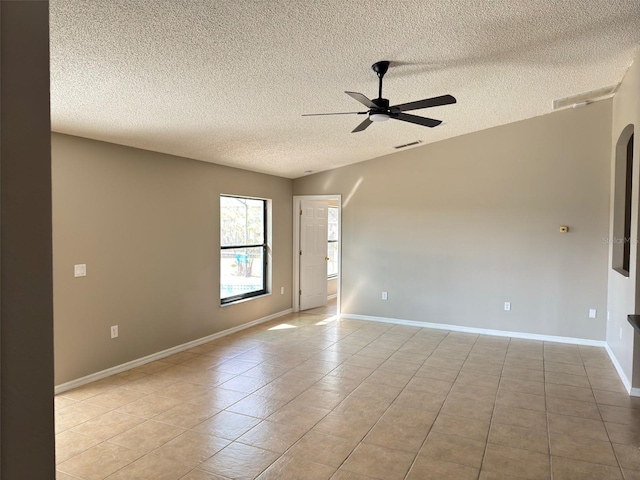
x=313 y=254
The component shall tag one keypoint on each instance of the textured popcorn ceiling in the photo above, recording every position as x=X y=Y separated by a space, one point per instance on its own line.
x=226 y=81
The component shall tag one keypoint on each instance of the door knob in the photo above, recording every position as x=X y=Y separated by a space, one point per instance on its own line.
x=326 y=258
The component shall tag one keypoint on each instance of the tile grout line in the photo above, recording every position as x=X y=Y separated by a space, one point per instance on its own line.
x=546 y=414
x=486 y=445
x=602 y=419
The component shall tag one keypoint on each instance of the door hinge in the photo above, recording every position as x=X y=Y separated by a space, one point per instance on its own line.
x=300 y=212
x=300 y=292
x=300 y=252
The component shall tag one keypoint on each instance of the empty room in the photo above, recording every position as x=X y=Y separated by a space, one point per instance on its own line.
x=319 y=240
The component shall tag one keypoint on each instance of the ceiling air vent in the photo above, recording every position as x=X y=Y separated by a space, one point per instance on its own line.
x=582 y=99
x=397 y=147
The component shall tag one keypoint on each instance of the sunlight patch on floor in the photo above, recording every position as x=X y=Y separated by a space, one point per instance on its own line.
x=282 y=326
x=327 y=321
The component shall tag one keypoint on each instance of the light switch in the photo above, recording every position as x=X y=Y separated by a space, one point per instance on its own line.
x=80 y=270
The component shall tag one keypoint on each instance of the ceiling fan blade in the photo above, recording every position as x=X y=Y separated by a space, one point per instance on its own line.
x=362 y=99
x=362 y=126
x=427 y=122
x=338 y=113
x=426 y=103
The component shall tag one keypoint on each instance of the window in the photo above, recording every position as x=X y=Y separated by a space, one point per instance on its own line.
x=332 y=247
x=243 y=248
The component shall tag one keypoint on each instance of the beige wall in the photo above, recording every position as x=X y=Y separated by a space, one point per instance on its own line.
x=454 y=229
x=147 y=226
x=622 y=295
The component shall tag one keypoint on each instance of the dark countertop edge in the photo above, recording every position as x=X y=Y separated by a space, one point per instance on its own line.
x=634 y=320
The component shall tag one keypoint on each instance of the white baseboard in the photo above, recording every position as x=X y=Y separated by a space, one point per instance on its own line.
x=634 y=392
x=483 y=331
x=164 y=353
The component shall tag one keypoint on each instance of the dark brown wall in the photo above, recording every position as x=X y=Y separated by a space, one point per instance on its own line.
x=26 y=311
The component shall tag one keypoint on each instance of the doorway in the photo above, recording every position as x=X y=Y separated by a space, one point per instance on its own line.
x=312 y=242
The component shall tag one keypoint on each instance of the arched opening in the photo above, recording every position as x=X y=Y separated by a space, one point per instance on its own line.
x=621 y=259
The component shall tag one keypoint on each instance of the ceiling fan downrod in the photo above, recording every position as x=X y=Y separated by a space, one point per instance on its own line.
x=380 y=68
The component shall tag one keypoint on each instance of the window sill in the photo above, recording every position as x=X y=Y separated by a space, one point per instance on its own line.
x=242 y=300
x=622 y=272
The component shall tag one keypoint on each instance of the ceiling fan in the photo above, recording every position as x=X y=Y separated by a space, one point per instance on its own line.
x=380 y=111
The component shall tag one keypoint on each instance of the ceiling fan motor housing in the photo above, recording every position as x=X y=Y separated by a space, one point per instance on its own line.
x=381 y=113
x=381 y=103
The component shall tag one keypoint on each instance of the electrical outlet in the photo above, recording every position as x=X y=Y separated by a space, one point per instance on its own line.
x=80 y=270
x=593 y=313
x=384 y=296
x=507 y=306
x=114 y=331
x=281 y=290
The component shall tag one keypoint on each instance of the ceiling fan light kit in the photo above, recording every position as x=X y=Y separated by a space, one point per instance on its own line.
x=380 y=111
x=378 y=117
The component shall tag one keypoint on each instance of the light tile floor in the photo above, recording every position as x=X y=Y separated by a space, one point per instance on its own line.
x=307 y=397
